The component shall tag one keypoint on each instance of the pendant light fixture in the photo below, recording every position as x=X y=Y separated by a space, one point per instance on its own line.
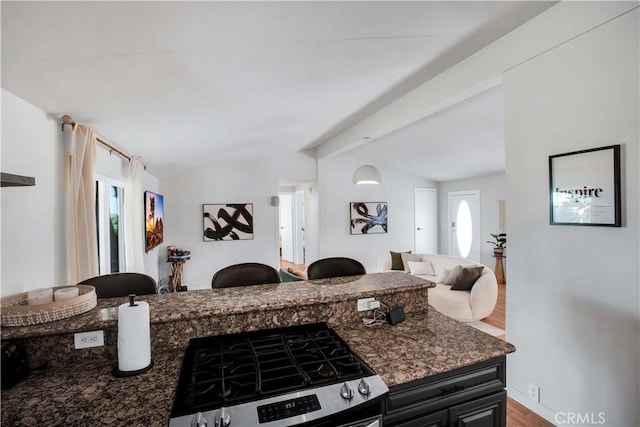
x=367 y=174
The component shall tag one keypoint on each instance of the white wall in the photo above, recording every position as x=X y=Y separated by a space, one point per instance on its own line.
x=337 y=190
x=252 y=182
x=33 y=227
x=492 y=188
x=573 y=292
x=32 y=231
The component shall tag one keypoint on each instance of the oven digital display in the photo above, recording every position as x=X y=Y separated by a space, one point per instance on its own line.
x=288 y=408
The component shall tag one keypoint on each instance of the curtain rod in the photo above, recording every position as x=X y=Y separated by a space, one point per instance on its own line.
x=68 y=120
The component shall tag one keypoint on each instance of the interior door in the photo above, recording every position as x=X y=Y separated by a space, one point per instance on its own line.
x=426 y=220
x=298 y=232
x=286 y=226
x=464 y=224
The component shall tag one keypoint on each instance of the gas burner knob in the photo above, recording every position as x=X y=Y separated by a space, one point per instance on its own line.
x=223 y=419
x=364 y=388
x=200 y=421
x=346 y=392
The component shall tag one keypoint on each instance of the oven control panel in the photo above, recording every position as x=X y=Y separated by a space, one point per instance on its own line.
x=288 y=408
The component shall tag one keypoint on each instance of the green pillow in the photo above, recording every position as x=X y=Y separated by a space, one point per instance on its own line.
x=396 y=260
x=285 y=276
x=467 y=278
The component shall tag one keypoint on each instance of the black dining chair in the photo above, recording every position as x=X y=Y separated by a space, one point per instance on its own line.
x=334 y=267
x=122 y=284
x=245 y=274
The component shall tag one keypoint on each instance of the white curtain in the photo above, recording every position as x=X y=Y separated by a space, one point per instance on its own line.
x=80 y=192
x=134 y=219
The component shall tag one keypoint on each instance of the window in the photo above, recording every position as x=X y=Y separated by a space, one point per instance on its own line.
x=464 y=232
x=109 y=216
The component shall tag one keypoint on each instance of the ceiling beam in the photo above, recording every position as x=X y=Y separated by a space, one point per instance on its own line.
x=480 y=71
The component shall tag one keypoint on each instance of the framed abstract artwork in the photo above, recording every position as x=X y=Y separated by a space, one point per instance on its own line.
x=368 y=217
x=230 y=221
x=153 y=219
x=584 y=187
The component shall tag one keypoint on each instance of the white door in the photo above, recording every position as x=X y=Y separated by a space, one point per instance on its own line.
x=426 y=221
x=298 y=233
x=286 y=226
x=464 y=224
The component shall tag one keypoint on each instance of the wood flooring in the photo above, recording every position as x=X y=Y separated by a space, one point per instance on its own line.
x=520 y=416
x=297 y=269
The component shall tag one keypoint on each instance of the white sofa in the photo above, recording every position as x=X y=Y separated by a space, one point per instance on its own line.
x=465 y=306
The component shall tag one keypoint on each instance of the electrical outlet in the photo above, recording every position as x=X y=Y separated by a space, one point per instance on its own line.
x=534 y=392
x=363 y=303
x=88 y=339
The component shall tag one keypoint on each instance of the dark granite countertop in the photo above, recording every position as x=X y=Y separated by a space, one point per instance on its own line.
x=88 y=395
x=228 y=301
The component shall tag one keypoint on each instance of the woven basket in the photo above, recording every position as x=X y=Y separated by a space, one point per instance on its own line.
x=16 y=312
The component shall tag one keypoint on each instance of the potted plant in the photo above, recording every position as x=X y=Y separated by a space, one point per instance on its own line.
x=499 y=242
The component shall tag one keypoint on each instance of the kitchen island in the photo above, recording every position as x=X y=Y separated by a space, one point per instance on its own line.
x=80 y=390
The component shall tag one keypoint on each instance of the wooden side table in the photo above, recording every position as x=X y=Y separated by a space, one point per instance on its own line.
x=499 y=270
x=177 y=270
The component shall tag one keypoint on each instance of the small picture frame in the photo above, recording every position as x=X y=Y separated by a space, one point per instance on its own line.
x=584 y=187
x=368 y=217
x=227 y=221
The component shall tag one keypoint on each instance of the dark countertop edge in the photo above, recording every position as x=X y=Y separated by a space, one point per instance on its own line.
x=20 y=332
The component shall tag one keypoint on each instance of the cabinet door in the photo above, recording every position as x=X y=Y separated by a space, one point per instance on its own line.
x=490 y=411
x=436 y=419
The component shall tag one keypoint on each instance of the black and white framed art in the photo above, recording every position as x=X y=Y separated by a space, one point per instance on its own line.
x=230 y=221
x=368 y=217
x=584 y=187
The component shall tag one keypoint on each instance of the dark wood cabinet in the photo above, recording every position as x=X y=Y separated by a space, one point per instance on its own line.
x=434 y=419
x=472 y=396
x=489 y=411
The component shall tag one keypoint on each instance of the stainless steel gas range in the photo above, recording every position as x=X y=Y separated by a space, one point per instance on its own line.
x=295 y=376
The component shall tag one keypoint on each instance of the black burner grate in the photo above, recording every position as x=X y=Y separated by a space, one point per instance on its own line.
x=229 y=369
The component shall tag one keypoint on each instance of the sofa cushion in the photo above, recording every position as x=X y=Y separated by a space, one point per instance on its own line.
x=396 y=260
x=467 y=277
x=424 y=268
x=443 y=275
x=449 y=303
x=451 y=277
x=409 y=257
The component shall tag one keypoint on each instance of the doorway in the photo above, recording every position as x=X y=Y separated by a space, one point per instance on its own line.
x=291 y=226
x=426 y=220
x=464 y=224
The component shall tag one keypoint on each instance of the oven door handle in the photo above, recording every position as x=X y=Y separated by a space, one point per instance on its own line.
x=371 y=422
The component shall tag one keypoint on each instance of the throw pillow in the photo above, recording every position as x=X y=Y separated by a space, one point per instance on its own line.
x=406 y=257
x=396 y=260
x=451 y=277
x=287 y=276
x=416 y=268
x=467 y=278
x=443 y=275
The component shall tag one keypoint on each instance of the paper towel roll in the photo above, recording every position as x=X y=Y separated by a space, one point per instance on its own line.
x=134 y=337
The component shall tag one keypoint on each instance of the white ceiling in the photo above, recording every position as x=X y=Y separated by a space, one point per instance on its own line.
x=462 y=141
x=197 y=83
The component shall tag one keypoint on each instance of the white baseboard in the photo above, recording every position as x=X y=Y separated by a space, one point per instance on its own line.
x=524 y=400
